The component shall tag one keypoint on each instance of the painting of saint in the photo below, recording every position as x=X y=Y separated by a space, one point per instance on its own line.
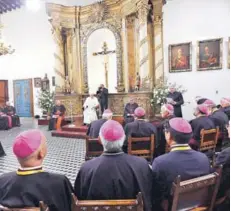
x=210 y=55
x=180 y=57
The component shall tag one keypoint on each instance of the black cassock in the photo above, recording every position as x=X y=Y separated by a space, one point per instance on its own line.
x=103 y=98
x=226 y=110
x=160 y=143
x=129 y=109
x=18 y=191
x=4 y=123
x=55 y=109
x=10 y=110
x=94 y=128
x=178 y=98
x=115 y=176
x=220 y=120
x=202 y=122
x=2 y=152
x=139 y=128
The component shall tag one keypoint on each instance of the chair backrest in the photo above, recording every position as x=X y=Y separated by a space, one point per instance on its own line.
x=196 y=194
x=142 y=146
x=42 y=207
x=209 y=139
x=93 y=148
x=109 y=205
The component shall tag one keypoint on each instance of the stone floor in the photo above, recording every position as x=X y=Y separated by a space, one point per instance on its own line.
x=65 y=156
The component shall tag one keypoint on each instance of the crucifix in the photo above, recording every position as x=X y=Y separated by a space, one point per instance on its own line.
x=105 y=53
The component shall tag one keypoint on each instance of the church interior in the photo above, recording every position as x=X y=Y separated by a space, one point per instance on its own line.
x=114 y=104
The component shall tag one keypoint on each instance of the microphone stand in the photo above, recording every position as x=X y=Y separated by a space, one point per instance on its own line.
x=71 y=125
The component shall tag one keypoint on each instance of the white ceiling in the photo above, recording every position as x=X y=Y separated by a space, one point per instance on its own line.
x=73 y=2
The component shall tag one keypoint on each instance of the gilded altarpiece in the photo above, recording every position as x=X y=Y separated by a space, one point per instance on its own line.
x=138 y=49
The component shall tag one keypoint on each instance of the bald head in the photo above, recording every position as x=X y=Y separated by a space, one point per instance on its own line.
x=58 y=102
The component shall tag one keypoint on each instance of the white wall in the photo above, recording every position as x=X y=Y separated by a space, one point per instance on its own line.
x=29 y=33
x=95 y=64
x=192 y=21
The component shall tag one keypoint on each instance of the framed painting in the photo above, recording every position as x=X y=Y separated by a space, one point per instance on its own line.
x=209 y=54
x=180 y=57
x=37 y=82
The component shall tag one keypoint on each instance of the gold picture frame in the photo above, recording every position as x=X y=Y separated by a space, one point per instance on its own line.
x=37 y=82
x=209 y=54
x=180 y=57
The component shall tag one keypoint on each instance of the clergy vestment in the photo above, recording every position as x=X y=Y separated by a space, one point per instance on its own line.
x=4 y=122
x=178 y=98
x=160 y=143
x=103 y=98
x=2 y=152
x=226 y=110
x=25 y=188
x=183 y=161
x=10 y=111
x=56 y=119
x=94 y=128
x=115 y=176
x=199 y=123
x=139 y=128
x=90 y=105
x=128 y=111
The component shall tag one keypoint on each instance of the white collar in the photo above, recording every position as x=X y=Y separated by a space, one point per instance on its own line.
x=30 y=168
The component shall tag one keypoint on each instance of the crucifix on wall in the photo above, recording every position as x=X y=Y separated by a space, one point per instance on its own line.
x=105 y=53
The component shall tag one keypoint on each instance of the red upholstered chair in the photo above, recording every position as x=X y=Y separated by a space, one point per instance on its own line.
x=109 y=205
x=42 y=207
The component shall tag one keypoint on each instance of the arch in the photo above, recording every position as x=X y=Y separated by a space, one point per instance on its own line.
x=118 y=52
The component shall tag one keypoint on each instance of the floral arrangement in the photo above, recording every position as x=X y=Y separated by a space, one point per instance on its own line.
x=161 y=91
x=46 y=100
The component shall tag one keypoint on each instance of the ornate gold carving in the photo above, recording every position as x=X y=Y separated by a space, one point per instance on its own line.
x=143 y=10
x=98 y=12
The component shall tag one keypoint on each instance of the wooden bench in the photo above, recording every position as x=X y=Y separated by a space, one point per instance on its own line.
x=42 y=207
x=93 y=148
x=142 y=146
x=102 y=205
x=208 y=141
x=196 y=194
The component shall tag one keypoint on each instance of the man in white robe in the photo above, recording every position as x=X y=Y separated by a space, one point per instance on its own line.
x=90 y=105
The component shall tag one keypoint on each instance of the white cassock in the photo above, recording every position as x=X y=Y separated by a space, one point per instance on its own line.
x=89 y=113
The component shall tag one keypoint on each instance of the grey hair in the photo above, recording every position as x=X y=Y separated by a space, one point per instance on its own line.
x=114 y=146
x=107 y=116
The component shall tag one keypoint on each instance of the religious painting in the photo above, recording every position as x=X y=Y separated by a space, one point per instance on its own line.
x=180 y=57
x=37 y=82
x=209 y=54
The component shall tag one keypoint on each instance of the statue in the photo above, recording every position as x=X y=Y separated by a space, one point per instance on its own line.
x=137 y=87
x=67 y=86
x=45 y=84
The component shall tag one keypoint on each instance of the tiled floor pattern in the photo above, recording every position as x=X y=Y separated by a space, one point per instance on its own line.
x=65 y=156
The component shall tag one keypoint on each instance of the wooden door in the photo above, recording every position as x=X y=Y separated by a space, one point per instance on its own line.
x=3 y=92
x=23 y=97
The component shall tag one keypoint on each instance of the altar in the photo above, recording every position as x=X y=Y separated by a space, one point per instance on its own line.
x=115 y=43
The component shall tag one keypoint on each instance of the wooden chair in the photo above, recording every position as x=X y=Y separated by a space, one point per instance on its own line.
x=209 y=141
x=142 y=146
x=42 y=207
x=109 y=205
x=196 y=194
x=93 y=148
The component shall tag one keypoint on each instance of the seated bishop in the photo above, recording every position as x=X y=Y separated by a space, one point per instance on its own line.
x=5 y=121
x=90 y=106
x=114 y=174
x=202 y=121
x=139 y=128
x=167 y=113
x=129 y=111
x=181 y=160
x=94 y=127
x=10 y=111
x=30 y=183
x=57 y=116
x=225 y=106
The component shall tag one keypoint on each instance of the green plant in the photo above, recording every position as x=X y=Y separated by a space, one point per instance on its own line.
x=161 y=91
x=46 y=100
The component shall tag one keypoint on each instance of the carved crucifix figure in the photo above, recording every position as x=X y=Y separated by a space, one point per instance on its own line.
x=105 y=53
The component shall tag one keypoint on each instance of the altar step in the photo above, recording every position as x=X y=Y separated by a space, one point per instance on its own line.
x=72 y=131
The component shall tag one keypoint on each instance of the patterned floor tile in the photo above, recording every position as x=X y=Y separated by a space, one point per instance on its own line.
x=65 y=156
